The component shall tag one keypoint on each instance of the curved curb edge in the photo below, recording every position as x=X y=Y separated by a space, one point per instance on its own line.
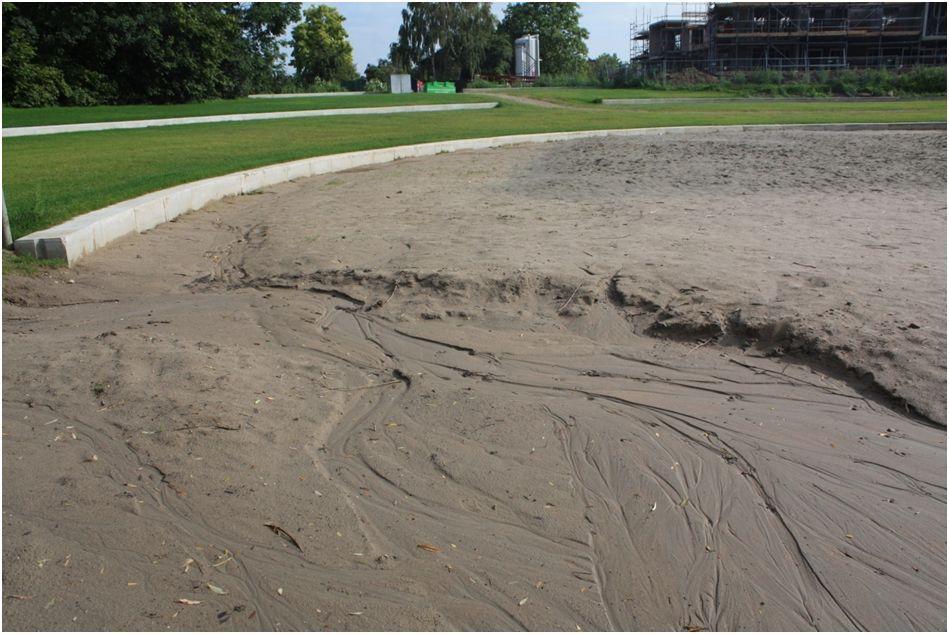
x=84 y=234
x=669 y=100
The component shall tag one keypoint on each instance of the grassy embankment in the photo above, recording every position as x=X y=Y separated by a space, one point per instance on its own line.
x=18 y=117
x=589 y=96
x=49 y=179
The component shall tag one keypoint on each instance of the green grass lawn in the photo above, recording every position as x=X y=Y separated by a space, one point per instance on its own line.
x=18 y=117
x=48 y=179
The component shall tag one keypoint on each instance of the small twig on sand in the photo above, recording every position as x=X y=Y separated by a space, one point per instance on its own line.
x=569 y=299
x=223 y=427
x=361 y=387
x=91 y=301
x=699 y=345
x=385 y=301
x=807 y=266
x=395 y=287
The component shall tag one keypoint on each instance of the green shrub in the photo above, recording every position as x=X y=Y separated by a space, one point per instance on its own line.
x=877 y=82
x=737 y=79
x=321 y=85
x=27 y=84
x=805 y=89
x=633 y=81
x=36 y=86
x=376 y=86
x=567 y=80
x=89 y=88
x=821 y=83
x=923 y=80
x=764 y=77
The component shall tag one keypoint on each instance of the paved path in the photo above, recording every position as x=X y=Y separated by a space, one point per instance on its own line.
x=148 y=123
x=526 y=101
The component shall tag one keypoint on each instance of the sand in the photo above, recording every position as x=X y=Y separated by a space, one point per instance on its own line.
x=696 y=381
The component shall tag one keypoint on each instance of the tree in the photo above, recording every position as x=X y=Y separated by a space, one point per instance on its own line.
x=380 y=71
x=26 y=83
x=260 y=61
x=117 y=52
x=321 y=48
x=88 y=53
x=444 y=40
x=605 y=68
x=562 y=39
x=498 y=54
x=264 y=22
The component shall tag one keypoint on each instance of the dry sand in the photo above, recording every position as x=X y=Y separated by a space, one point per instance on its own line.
x=696 y=381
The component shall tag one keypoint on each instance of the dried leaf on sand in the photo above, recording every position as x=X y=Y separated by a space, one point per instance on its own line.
x=283 y=533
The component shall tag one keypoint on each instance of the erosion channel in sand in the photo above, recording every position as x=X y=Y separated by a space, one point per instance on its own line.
x=689 y=381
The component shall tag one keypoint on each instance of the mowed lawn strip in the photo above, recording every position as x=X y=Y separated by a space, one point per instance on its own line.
x=49 y=179
x=20 y=117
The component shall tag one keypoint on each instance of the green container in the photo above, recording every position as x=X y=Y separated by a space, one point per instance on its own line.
x=440 y=86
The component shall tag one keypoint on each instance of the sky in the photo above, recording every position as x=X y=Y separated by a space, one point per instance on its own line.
x=372 y=26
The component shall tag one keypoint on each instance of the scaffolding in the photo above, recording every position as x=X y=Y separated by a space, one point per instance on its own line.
x=728 y=37
x=690 y=14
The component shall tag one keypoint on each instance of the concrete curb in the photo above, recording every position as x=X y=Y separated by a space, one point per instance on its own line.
x=678 y=100
x=290 y=95
x=292 y=114
x=84 y=234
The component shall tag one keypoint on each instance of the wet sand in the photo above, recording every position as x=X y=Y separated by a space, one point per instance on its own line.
x=685 y=382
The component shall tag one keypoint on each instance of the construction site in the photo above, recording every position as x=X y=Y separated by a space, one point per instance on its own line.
x=718 y=38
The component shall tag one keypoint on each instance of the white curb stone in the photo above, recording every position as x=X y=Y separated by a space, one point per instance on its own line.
x=701 y=100
x=37 y=130
x=84 y=234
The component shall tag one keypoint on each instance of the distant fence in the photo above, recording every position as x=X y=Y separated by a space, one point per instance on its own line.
x=508 y=80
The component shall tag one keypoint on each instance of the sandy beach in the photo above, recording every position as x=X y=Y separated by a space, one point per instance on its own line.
x=690 y=382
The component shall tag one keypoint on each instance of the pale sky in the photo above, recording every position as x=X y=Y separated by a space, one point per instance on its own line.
x=372 y=26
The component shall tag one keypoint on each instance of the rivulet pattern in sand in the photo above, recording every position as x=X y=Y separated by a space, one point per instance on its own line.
x=695 y=381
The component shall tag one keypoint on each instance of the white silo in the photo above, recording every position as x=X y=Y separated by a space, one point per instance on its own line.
x=527 y=56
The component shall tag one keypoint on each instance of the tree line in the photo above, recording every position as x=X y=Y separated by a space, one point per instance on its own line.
x=89 y=53
x=458 y=40
x=114 y=53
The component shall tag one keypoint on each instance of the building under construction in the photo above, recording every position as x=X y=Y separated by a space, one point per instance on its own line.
x=726 y=37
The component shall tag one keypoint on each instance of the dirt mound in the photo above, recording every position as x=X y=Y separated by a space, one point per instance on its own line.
x=691 y=77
